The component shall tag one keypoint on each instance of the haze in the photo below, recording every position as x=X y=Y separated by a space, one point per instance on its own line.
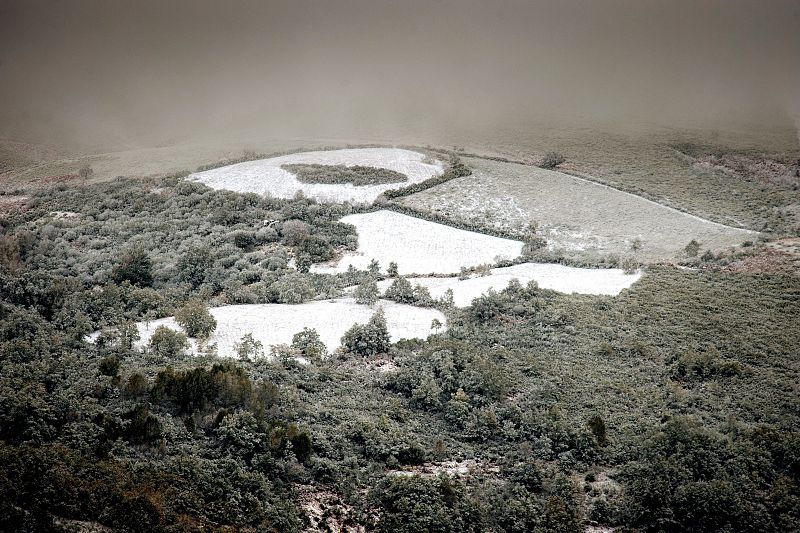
x=123 y=74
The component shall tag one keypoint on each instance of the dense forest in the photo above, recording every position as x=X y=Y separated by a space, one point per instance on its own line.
x=672 y=407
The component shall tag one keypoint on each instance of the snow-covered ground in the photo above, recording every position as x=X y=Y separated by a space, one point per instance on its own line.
x=609 y=281
x=273 y=324
x=267 y=176
x=419 y=246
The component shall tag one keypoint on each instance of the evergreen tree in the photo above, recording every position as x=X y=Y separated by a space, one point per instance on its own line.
x=135 y=267
x=367 y=292
x=368 y=339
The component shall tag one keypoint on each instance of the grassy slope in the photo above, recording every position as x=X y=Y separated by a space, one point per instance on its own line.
x=646 y=163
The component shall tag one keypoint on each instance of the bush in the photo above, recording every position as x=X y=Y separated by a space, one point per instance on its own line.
x=167 y=342
x=692 y=249
x=194 y=265
x=368 y=339
x=336 y=174
x=551 y=160
x=135 y=267
x=86 y=172
x=294 y=232
x=316 y=247
x=294 y=289
x=630 y=265
x=367 y=292
x=248 y=347
x=109 y=366
x=400 y=291
x=309 y=344
x=195 y=319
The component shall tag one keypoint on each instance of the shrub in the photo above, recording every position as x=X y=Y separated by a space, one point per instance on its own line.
x=109 y=366
x=400 y=291
x=246 y=240
x=551 y=160
x=692 y=249
x=598 y=428
x=294 y=289
x=195 y=319
x=249 y=347
x=630 y=265
x=143 y=427
x=485 y=307
x=86 y=172
x=309 y=344
x=367 y=292
x=194 y=265
x=368 y=339
x=294 y=232
x=335 y=174
x=167 y=342
x=135 y=267
x=136 y=385
x=316 y=247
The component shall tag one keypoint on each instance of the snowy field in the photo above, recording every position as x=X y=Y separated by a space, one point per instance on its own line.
x=273 y=324
x=608 y=281
x=582 y=218
x=265 y=176
x=419 y=246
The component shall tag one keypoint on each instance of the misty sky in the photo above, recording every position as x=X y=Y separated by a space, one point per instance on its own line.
x=148 y=71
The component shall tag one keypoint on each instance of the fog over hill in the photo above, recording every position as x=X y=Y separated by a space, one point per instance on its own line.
x=116 y=75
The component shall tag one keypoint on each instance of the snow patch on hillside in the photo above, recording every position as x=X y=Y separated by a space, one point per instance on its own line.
x=265 y=176
x=598 y=281
x=419 y=246
x=273 y=324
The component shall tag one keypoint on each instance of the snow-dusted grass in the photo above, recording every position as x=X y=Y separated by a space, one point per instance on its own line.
x=266 y=175
x=273 y=324
x=419 y=246
x=582 y=218
x=609 y=281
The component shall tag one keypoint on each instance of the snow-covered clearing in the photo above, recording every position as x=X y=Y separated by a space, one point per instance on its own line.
x=582 y=218
x=608 y=281
x=419 y=246
x=265 y=176
x=273 y=324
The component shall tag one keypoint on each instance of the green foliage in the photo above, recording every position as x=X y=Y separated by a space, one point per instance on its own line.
x=415 y=504
x=224 y=385
x=143 y=427
x=551 y=160
x=316 y=247
x=400 y=291
x=485 y=307
x=109 y=366
x=339 y=174
x=195 y=319
x=692 y=249
x=294 y=232
x=704 y=365
x=598 y=428
x=194 y=265
x=294 y=289
x=692 y=479
x=694 y=374
x=134 y=267
x=367 y=292
x=309 y=344
x=168 y=343
x=455 y=169
x=368 y=339
x=248 y=347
